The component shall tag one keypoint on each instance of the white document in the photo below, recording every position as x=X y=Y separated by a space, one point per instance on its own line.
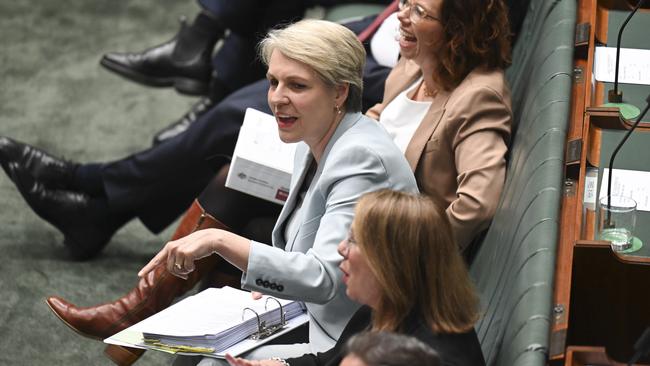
x=215 y=319
x=591 y=184
x=634 y=65
x=211 y=311
x=629 y=183
x=261 y=164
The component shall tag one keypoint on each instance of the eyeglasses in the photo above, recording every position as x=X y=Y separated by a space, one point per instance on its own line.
x=416 y=12
x=349 y=243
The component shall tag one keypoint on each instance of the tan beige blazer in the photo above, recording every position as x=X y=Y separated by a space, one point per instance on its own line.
x=458 y=153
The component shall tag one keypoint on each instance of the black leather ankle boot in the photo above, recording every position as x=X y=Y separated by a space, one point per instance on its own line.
x=183 y=62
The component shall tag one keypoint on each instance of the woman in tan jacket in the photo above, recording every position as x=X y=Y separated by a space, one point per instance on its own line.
x=447 y=106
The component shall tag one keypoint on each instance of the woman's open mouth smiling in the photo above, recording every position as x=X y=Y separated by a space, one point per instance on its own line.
x=285 y=121
x=406 y=39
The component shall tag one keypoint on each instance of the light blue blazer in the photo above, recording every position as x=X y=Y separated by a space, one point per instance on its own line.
x=359 y=158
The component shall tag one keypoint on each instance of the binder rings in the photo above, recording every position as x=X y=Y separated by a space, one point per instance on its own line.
x=214 y=322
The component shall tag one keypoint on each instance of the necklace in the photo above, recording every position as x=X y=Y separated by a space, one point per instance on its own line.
x=427 y=92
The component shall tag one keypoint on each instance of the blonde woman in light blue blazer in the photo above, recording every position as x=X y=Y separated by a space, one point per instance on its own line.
x=314 y=69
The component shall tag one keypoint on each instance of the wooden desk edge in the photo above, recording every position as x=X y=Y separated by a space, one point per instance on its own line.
x=624 y=258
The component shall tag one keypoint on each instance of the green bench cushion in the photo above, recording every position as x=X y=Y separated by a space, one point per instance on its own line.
x=514 y=268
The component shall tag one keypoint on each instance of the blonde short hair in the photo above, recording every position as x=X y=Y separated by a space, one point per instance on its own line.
x=330 y=49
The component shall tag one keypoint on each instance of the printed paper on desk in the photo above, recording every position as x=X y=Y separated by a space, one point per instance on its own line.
x=261 y=164
x=634 y=65
x=629 y=183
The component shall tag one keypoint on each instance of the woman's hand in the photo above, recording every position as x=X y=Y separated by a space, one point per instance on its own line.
x=179 y=255
x=242 y=362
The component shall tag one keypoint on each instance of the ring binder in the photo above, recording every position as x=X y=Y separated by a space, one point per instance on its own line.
x=192 y=326
x=263 y=330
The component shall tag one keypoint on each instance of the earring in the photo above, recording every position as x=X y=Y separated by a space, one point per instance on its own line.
x=338 y=109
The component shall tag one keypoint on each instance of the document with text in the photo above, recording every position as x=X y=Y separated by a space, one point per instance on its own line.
x=629 y=183
x=634 y=65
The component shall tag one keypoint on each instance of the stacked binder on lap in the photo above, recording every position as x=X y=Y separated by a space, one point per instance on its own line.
x=213 y=322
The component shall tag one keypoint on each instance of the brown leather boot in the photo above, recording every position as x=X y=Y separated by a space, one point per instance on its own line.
x=153 y=293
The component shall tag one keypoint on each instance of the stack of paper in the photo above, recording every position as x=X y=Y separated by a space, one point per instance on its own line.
x=210 y=322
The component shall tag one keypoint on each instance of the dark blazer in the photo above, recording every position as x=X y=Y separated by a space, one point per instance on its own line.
x=454 y=349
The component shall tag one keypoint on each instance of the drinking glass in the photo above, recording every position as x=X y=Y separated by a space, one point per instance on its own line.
x=616 y=221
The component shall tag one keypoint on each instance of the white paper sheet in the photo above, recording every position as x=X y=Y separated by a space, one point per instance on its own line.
x=629 y=183
x=211 y=311
x=634 y=65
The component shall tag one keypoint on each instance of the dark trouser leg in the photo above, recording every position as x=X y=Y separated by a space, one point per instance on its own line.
x=236 y=63
x=254 y=17
x=158 y=184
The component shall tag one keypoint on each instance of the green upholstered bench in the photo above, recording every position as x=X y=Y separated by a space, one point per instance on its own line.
x=514 y=267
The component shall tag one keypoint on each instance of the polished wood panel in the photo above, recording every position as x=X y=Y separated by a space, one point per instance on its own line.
x=588 y=356
x=610 y=301
x=601 y=298
x=571 y=209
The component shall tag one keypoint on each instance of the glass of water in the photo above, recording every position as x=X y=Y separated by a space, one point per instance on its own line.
x=616 y=221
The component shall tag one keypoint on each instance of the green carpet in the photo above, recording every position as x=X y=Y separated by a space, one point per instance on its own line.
x=55 y=95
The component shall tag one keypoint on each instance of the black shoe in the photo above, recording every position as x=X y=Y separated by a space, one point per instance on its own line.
x=187 y=69
x=68 y=211
x=45 y=168
x=180 y=126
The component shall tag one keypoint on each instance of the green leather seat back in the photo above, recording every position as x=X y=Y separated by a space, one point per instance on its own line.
x=515 y=265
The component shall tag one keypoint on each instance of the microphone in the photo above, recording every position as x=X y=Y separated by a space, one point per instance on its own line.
x=641 y=347
x=618 y=147
x=615 y=96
